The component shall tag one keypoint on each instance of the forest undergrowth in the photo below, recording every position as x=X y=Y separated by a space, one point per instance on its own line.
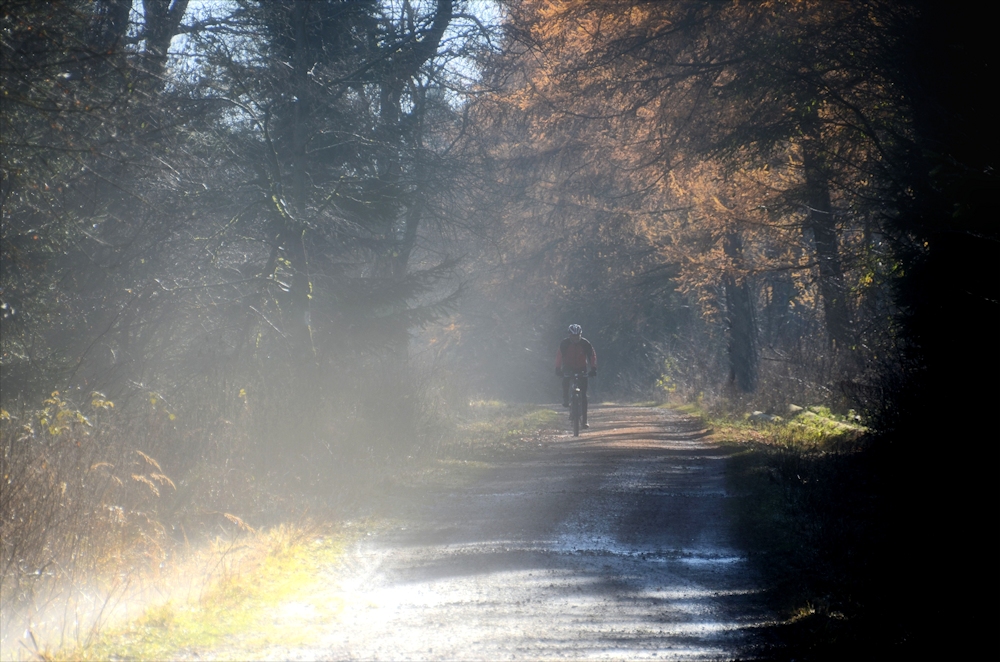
x=812 y=513
x=242 y=582
x=103 y=558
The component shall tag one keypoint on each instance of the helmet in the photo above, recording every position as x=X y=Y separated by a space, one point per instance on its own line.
x=575 y=329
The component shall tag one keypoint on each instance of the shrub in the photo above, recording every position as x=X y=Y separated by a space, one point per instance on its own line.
x=77 y=501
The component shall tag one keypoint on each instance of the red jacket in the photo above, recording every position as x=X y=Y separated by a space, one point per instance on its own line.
x=575 y=356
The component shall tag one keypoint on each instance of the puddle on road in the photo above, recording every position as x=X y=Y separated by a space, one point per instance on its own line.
x=597 y=545
x=656 y=492
x=606 y=545
x=697 y=558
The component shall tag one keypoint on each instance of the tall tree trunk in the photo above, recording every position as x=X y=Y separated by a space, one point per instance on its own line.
x=411 y=223
x=162 y=21
x=778 y=324
x=822 y=225
x=404 y=65
x=740 y=319
x=109 y=26
x=293 y=235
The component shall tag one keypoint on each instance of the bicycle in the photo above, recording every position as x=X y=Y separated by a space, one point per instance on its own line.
x=576 y=400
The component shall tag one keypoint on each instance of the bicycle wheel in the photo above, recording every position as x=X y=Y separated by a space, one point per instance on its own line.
x=575 y=415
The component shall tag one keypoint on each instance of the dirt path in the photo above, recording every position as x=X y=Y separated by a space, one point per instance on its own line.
x=610 y=546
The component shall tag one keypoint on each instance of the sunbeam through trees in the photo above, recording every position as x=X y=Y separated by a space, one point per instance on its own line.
x=257 y=255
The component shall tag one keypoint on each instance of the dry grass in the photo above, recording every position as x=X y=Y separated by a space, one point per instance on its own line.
x=240 y=581
x=77 y=501
x=222 y=593
x=104 y=557
x=82 y=535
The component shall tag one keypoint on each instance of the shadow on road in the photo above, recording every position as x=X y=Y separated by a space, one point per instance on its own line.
x=615 y=544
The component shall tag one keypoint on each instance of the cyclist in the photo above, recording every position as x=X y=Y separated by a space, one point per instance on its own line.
x=574 y=355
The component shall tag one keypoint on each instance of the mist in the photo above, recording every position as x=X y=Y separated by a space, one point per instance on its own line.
x=260 y=260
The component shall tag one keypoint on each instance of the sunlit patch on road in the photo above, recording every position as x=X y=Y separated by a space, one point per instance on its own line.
x=607 y=549
x=614 y=549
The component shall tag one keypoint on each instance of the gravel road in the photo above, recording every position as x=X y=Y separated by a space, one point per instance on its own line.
x=613 y=545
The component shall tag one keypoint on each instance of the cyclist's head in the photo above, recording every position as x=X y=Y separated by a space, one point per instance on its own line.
x=575 y=330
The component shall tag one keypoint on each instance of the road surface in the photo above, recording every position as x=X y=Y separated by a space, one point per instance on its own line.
x=613 y=545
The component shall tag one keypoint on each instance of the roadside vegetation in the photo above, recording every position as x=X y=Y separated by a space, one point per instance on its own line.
x=111 y=566
x=810 y=511
x=492 y=428
x=242 y=585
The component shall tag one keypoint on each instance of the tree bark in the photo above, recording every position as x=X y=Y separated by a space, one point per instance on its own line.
x=162 y=20
x=823 y=227
x=110 y=25
x=740 y=319
x=293 y=234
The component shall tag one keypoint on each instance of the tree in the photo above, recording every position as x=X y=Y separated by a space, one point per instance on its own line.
x=236 y=217
x=771 y=120
x=835 y=159
x=82 y=135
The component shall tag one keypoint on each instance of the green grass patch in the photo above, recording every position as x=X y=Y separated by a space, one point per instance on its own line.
x=490 y=431
x=494 y=429
x=810 y=514
x=801 y=429
x=239 y=610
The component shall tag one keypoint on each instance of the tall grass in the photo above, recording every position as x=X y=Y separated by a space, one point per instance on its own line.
x=77 y=497
x=101 y=502
x=234 y=587
x=78 y=511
